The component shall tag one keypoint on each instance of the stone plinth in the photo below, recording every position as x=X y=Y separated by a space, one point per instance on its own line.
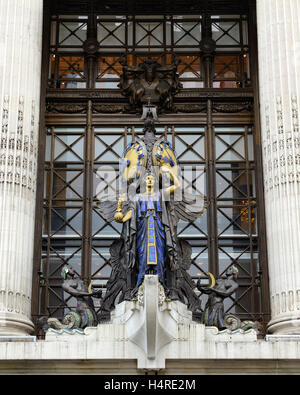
x=106 y=349
x=149 y=329
x=151 y=334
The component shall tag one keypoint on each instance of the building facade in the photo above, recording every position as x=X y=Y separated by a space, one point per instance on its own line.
x=234 y=123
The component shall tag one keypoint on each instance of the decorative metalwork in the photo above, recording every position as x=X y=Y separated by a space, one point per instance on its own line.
x=104 y=37
x=212 y=128
x=149 y=242
x=236 y=209
x=150 y=81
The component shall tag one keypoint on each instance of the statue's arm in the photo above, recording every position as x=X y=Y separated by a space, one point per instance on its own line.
x=176 y=183
x=127 y=216
x=119 y=216
x=73 y=291
x=229 y=291
x=202 y=289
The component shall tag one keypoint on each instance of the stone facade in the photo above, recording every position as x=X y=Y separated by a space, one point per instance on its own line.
x=151 y=335
x=20 y=74
x=168 y=341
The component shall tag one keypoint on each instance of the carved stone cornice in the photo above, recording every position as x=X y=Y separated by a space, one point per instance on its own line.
x=115 y=94
x=120 y=108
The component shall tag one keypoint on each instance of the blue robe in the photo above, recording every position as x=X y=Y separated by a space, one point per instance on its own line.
x=151 y=238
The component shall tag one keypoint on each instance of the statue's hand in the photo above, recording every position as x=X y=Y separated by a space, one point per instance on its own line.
x=203 y=289
x=97 y=293
x=171 y=173
x=119 y=217
x=166 y=170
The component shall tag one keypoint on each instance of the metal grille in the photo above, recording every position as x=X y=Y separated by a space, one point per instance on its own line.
x=157 y=37
x=222 y=138
x=229 y=168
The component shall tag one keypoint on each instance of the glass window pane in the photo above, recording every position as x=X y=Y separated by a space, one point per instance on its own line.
x=149 y=34
x=72 y=33
x=187 y=33
x=111 y=33
x=226 y=33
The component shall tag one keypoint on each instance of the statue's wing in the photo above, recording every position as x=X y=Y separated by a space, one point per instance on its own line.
x=134 y=161
x=115 y=252
x=189 y=207
x=185 y=254
x=164 y=155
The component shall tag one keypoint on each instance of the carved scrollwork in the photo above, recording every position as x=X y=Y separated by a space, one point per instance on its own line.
x=231 y=108
x=190 y=108
x=66 y=108
x=108 y=108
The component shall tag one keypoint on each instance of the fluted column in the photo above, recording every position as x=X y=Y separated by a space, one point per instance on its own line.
x=20 y=74
x=278 y=24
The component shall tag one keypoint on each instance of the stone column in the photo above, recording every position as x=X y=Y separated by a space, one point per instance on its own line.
x=20 y=74
x=279 y=74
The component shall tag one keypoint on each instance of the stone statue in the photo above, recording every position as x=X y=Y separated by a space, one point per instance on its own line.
x=85 y=314
x=149 y=212
x=147 y=215
x=184 y=283
x=116 y=285
x=214 y=314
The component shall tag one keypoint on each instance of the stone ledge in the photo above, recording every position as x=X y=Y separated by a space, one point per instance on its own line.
x=129 y=367
x=25 y=339
x=150 y=332
x=283 y=338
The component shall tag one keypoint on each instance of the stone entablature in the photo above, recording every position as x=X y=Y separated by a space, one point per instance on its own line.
x=196 y=351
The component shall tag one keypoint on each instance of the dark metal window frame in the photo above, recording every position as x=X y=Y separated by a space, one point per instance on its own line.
x=209 y=101
x=132 y=48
